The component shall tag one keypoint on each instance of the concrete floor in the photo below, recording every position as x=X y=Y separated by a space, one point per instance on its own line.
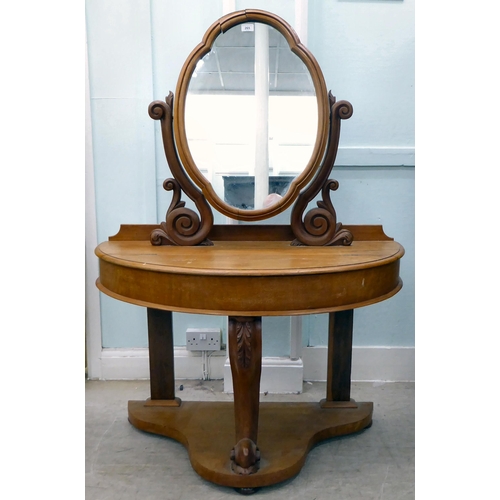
x=123 y=463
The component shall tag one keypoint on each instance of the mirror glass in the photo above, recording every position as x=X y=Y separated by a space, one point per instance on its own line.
x=251 y=116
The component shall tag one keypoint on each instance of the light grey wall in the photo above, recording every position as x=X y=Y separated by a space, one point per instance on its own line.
x=136 y=49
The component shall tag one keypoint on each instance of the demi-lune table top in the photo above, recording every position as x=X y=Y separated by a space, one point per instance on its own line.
x=260 y=278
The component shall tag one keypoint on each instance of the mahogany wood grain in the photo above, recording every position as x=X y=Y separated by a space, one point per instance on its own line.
x=249 y=232
x=245 y=280
x=182 y=226
x=338 y=381
x=245 y=355
x=319 y=226
x=287 y=431
x=250 y=278
x=161 y=354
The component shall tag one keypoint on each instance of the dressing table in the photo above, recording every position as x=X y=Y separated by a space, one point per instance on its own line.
x=246 y=270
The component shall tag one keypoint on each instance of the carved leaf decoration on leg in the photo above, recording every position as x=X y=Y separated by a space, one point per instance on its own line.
x=243 y=340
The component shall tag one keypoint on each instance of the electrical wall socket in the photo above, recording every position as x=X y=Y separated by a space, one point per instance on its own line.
x=203 y=339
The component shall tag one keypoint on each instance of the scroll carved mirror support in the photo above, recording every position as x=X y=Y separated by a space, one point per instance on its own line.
x=320 y=227
x=182 y=225
x=231 y=66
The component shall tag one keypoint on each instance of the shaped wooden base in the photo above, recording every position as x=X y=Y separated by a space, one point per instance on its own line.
x=287 y=431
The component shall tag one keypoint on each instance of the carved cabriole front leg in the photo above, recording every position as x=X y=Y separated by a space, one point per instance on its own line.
x=245 y=355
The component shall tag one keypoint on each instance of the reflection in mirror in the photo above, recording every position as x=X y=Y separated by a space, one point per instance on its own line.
x=251 y=116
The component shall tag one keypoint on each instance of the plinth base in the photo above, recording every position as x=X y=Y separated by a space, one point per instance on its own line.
x=287 y=431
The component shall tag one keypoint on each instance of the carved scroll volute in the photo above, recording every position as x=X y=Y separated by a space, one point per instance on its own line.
x=182 y=225
x=319 y=227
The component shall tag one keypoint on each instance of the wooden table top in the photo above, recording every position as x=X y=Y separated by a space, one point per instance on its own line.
x=253 y=278
x=250 y=258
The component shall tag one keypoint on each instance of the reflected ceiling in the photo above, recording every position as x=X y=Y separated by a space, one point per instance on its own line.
x=229 y=66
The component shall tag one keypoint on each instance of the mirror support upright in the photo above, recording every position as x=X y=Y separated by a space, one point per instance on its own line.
x=320 y=227
x=182 y=226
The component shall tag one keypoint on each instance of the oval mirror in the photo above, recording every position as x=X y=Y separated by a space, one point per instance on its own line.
x=251 y=115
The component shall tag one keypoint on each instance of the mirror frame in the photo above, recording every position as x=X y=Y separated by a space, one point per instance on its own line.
x=218 y=27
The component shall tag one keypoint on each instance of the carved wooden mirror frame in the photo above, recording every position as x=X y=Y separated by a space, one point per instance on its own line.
x=182 y=225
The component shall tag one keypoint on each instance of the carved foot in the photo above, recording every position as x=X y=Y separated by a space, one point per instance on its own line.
x=246 y=491
x=245 y=457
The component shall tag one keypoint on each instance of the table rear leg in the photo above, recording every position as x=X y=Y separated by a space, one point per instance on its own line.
x=338 y=381
x=161 y=358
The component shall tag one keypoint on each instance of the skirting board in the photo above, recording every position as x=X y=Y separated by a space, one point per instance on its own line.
x=279 y=376
x=133 y=364
x=386 y=364
x=369 y=364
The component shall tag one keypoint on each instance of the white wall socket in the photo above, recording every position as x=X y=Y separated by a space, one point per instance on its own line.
x=203 y=339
